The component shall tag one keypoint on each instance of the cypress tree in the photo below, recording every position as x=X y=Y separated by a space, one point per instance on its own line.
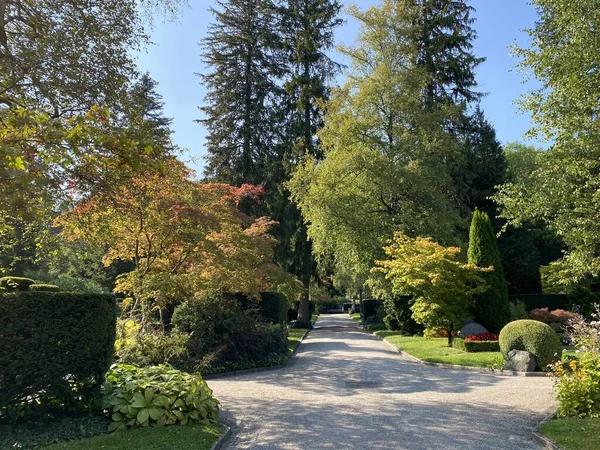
x=491 y=308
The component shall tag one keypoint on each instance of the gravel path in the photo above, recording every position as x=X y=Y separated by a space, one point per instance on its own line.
x=345 y=389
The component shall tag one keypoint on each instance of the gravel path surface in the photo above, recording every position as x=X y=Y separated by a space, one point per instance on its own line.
x=345 y=389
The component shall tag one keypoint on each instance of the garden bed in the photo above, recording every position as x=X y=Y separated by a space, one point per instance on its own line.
x=573 y=434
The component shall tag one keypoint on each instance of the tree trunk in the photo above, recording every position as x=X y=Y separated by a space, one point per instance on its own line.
x=304 y=318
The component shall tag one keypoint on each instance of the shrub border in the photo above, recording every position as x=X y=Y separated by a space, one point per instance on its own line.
x=256 y=369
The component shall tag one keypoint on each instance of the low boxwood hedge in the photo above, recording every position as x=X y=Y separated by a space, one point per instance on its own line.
x=16 y=283
x=44 y=287
x=55 y=348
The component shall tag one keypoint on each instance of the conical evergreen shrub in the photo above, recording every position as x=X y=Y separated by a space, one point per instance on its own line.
x=491 y=308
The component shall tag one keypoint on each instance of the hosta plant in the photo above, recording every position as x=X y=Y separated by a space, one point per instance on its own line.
x=156 y=396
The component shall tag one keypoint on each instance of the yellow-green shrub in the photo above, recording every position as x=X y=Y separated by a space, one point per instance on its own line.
x=532 y=336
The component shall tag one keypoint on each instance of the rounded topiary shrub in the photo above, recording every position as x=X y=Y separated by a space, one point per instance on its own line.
x=531 y=336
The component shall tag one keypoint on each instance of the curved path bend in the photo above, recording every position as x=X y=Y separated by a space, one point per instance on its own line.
x=345 y=389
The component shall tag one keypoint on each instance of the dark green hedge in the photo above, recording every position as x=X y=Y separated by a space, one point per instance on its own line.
x=550 y=301
x=55 y=348
x=369 y=308
x=272 y=306
x=475 y=346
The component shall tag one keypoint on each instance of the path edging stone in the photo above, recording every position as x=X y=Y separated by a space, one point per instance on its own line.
x=544 y=441
x=218 y=444
x=497 y=372
x=214 y=376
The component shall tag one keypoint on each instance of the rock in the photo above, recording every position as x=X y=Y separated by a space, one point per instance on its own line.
x=472 y=328
x=520 y=361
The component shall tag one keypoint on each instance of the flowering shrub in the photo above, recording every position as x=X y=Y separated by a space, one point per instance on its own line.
x=482 y=337
x=577 y=381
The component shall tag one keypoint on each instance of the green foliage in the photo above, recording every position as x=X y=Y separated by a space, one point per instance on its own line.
x=273 y=307
x=531 y=336
x=399 y=315
x=73 y=284
x=491 y=307
x=54 y=349
x=577 y=387
x=562 y=191
x=518 y=310
x=222 y=333
x=44 y=287
x=533 y=301
x=156 y=396
x=35 y=433
x=475 y=346
x=144 y=348
x=16 y=283
x=441 y=286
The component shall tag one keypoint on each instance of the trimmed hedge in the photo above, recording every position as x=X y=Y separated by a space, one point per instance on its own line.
x=16 y=283
x=475 y=346
x=370 y=308
x=44 y=288
x=535 y=301
x=532 y=336
x=55 y=348
x=272 y=306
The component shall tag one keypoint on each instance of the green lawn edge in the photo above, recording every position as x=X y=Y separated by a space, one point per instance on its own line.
x=182 y=437
x=436 y=350
x=572 y=434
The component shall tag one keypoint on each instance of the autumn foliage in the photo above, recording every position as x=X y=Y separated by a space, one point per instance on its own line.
x=184 y=237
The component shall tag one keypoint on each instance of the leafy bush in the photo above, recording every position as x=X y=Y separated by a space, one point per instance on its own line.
x=271 y=306
x=518 y=310
x=12 y=284
x=532 y=336
x=73 y=284
x=322 y=306
x=159 y=395
x=54 y=349
x=399 y=315
x=475 y=346
x=482 y=337
x=577 y=382
x=221 y=332
x=149 y=347
x=559 y=316
x=577 y=387
x=44 y=287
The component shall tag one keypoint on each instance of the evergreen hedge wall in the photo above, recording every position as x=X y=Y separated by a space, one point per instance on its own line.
x=55 y=348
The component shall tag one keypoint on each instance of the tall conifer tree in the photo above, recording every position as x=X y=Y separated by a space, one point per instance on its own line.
x=241 y=85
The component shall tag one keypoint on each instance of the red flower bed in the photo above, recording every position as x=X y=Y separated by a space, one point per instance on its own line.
x=482 y=337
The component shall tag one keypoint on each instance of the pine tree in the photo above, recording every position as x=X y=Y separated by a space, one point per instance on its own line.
x=491 y=308
x=445 y=38
x=307 y=32
x=242 y=87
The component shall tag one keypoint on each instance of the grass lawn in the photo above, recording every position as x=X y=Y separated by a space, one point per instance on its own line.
x=573 y=434
x=356 y=317
x=295 y=334
x=182 y=437
x=436 y=350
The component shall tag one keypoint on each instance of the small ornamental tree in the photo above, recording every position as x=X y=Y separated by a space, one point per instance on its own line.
x=491 y=308
x=442 y=287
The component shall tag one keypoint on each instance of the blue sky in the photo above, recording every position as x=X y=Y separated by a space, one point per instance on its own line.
x=175 y=57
